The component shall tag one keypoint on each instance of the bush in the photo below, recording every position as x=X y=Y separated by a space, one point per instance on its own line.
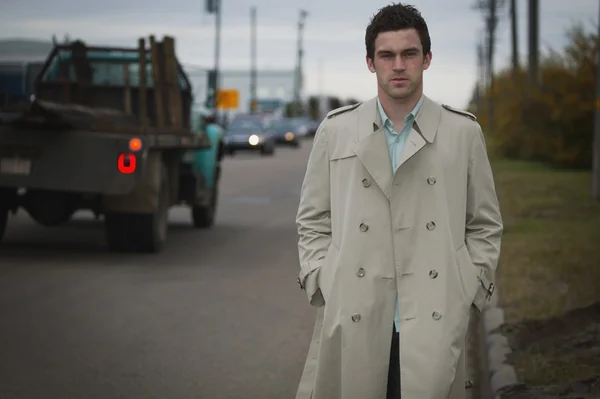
x=552 y=122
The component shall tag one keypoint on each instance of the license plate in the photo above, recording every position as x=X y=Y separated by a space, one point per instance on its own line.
x=15 y=166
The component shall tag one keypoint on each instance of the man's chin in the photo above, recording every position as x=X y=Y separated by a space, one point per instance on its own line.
x=399 y=94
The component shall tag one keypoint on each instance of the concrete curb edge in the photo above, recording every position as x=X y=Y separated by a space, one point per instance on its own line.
x=501 y=373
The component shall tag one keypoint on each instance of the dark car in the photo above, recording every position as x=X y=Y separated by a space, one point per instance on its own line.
x=307 y=127
x=248 y=133
x=285 y=131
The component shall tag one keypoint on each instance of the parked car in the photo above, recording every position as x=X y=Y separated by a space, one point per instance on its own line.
x=285 y=132
x=307 y=127
x=248 y=133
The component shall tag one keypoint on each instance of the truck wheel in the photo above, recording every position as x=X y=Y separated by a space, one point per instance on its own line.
x=3 y=222
x=138 y=232
x=203 y=216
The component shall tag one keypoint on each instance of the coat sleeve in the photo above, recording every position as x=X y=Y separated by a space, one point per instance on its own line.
x=314 y=218
x=484 y=222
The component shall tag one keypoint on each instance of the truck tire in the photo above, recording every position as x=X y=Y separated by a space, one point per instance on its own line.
x=140 y=232
x=203 y=216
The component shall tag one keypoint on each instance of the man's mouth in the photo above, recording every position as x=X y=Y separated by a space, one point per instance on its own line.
x=399 y=80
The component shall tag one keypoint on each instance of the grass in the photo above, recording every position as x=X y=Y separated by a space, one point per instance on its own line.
x=550 y=260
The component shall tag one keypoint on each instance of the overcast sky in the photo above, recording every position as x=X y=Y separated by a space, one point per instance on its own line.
x=334 y=35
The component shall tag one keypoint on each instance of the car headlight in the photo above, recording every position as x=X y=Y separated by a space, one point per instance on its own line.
x=289 y=136
x=253 y=140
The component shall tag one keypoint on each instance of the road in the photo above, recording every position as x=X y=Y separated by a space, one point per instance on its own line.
x=217 y=315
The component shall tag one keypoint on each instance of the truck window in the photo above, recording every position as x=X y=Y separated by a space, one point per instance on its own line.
x=108 y=68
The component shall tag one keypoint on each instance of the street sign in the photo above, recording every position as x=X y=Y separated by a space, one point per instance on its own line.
x=228 y=99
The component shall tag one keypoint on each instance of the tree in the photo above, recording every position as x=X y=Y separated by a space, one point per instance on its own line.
x=334 y=102
x=294 y=109
x=313 y=107
x=554 y=122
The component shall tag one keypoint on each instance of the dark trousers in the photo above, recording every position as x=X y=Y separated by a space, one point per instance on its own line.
x=393 y=387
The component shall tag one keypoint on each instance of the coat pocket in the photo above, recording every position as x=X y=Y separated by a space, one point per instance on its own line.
x=327 y=272
x=467 y=274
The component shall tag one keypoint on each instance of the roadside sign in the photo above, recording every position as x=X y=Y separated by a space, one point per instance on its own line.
x=228 y=99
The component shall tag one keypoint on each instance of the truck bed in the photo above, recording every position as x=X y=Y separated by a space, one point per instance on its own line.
x=79 y=160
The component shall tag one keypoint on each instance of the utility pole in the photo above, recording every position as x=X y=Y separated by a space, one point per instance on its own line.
x=299 y=76
x=214 y=7
x=490 y=10
x=514 y=35
x=481 y=81
x=217 y=48
x=534 y=40
x=253 y=99
x=596 y=157
x=492 y=22
x=321 y=91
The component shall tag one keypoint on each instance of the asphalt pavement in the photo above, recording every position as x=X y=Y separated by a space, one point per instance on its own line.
x=217 y=315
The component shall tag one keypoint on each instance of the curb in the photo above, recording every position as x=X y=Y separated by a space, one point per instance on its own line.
x=501 y=373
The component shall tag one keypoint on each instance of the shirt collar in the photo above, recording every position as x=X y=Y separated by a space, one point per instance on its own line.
x=411 y=116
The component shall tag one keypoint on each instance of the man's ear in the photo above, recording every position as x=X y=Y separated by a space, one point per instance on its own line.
x=427 y=60
x=370 y=64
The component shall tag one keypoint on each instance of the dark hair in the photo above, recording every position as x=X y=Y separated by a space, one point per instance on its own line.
x=396 y=17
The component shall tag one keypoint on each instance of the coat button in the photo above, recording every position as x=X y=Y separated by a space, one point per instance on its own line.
x=436 y=316
x=366 y=182
x=431 y=180
x=363 y=227
x=430 y=226
x=360 y=272
x=433 y=273
x=355 y=317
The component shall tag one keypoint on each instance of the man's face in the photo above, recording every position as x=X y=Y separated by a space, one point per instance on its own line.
x=399 y=63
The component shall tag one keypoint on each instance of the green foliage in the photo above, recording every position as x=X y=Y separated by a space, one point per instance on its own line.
x=313 y=107
x=293 y=109
x=335 y=102
x=551 y=122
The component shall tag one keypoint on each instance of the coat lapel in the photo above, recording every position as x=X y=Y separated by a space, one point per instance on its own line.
x=424 y=129
x=370 y=146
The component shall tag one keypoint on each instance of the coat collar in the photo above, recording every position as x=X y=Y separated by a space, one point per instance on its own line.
x=426 y=121
x=370 y=144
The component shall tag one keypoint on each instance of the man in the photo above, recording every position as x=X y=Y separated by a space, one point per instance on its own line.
x=400 y=231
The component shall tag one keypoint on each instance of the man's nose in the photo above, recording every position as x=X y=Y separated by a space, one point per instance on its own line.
x=399 y=64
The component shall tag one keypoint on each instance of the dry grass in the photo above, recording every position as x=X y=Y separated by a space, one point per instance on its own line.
x=550 y=261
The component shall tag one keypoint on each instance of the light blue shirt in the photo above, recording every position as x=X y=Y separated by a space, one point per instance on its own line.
x=396 y=141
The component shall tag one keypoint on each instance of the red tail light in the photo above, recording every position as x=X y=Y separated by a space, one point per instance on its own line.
x=126 y=163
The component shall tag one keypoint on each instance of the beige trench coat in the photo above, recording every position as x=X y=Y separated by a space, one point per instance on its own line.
x=430 y=232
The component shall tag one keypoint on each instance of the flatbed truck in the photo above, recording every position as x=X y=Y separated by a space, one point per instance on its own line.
x=108 y=130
